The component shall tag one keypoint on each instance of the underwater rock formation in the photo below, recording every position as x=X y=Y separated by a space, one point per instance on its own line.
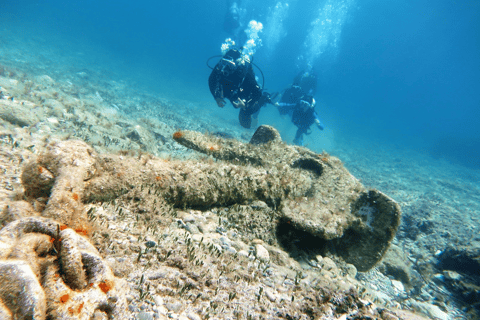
x=58 y=175
x=322 y=202
x=284 y=195
x=50 y=271
x=311 y=201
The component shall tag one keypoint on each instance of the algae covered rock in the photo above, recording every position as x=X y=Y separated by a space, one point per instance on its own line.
x=285 y=195
x=59 y=175
x=313 y=203
x=22 y=114
x=50 y=273
x=323 y=207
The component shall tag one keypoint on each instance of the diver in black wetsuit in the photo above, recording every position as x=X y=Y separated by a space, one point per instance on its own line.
x=298 y=102
x=233 y=79
x=305 y=83
x=303 y=116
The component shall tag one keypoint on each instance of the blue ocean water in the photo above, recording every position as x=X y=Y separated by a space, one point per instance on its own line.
x=405 y=71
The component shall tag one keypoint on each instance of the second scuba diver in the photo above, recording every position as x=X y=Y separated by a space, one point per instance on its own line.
x=298 y=102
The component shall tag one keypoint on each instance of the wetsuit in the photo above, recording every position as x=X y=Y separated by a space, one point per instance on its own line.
x=304 y=117
x=290 y=98
x=233 y=80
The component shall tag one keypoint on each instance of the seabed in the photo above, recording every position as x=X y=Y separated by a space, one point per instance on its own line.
x=120 y=203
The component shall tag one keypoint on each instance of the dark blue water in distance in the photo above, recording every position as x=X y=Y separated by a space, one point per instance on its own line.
x=406 y=72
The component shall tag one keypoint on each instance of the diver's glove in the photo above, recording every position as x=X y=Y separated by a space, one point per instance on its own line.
x=239 y=103
x=220 y=102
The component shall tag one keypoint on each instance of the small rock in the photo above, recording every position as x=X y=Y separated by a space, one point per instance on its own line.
x=225 y=241
x=174 y=306
x=243 y=253
x=157 y=275
x=192 y=228
x=145 y=316
x=351 y=270
x=158 y=301
x=193 y=316
x=452 y=275
x=197 y=237
x=398 y=285
x=265 y=134
x=150 y=244
x=270 y=296
x=218 y=247
x=133 y=308
x=430 y=310
x=327 y=263
x=261 y=253
x=189 y=218
x=231 y=250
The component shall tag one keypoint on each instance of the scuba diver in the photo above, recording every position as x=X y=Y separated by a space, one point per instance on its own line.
x=233 y=78
x=298 y=102
x=304 y=83
x=303 y=117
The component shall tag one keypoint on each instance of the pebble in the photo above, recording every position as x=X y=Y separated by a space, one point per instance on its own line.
x=452 y=275
x=220 y=230
x=219 y=248
x=189 y=218
x=157 y=275
x=351 y=270
x=174 y=306
x=197 y=237
x=193 y=316
x=231 y=250
x=192 y=228
x=398 y=285
x=429 y=309
x=225 y=241
x=133 y=308
x=145 y=316
x=261 y=253
x=160 y=316
x=327 y=264
x=162 y=310
x=158 y=300
x=243 y=253
x=150 y=244
x=270 y=296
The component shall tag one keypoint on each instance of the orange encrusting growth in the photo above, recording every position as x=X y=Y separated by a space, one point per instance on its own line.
x=105 y=286
x=177 y=135
x=81 y=230
x=64 y=298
